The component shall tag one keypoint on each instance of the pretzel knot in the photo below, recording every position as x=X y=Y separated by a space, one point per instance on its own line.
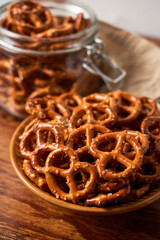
x=149 y=107
x=102 y=199
x=98 y=114
x=150 y=170
x=70 y=100
x=80 y=140
x=27 y=18
x=38 y=135
x=34 y=176
x=151 y=126
x=46 y=107
x=56 y=168
x=100 y=99
x=128 y=107
x=113 y=164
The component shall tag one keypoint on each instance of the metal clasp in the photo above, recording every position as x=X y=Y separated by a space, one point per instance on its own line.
x=97 y=63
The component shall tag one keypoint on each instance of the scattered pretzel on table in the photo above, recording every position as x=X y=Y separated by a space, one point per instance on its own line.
x=92 y=164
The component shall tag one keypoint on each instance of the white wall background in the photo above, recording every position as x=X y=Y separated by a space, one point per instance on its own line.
x=140 y=16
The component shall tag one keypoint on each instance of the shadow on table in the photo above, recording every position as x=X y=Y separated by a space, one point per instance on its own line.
x=134 y=225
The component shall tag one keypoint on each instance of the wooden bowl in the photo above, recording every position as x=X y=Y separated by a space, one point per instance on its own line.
x=109 y=210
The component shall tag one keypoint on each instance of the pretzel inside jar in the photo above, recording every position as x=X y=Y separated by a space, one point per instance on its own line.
x=86 y=163
x=28 y=73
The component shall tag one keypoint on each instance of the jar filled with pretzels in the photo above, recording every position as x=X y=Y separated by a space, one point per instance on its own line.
x=46 y=47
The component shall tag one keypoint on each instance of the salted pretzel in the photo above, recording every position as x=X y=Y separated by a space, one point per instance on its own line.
x=149 y=107
x=100 y=99
x=27 y=17
x=62 y=30
x=39 y=134
x=143 y=139
x=33 y=175
x=109 y=186
x=151 y=126
x=108 y=149
x=80 y=140
x=70 y=100
x=150 y=170
x=100 y=115
x=128 y=107
x=81 y=23
x=137 y=190
x=111 y=197
x=46 y=107
x=75 y=167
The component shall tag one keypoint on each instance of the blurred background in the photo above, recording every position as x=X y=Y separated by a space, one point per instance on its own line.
x=139 y=16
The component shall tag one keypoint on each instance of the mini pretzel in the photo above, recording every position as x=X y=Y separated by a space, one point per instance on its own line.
x=62 y=30
x=105 y=116
x=143 y=139
x=126 y=104
x=149 y=107
x=150 y=170
x=28 y=17
x=34 y=176
x=39 y=134
x=100 y=98
x=46 y=107
x=39 y=156
x=28 y=74
x=113 y=153
x=51 y=171
x=137 y=190
x=109 y=186
x=151 y=126
x=81 y=23
x=108 y=198
x=70 y=100
x=80 y=139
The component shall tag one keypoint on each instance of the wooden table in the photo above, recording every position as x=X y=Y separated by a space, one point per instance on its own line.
x=24 y=215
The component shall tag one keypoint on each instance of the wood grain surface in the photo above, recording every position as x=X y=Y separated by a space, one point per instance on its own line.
x=25 y=216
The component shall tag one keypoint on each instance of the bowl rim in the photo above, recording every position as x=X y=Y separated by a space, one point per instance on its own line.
x=109 y=210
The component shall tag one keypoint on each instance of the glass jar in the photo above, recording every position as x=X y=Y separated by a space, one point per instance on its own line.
x=31 y=67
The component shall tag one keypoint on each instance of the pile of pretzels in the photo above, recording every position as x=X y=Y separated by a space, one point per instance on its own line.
x=97 y=150
x=22 y=74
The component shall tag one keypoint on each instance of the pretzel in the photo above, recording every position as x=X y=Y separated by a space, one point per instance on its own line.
x=137 y=190
x=82 y=161
x=151 y=126
x=62 y=30
x=28 y=74
x=51 y=171
x=28 y=17
x=113 y=153
x=109 y=186
x=128 y=107
x=80 y=140
x=100 y=99
x=108 y=198
x=143 y=139
x=81 y=23
x=105 y=116
x=46 y=107
x=149 y=107
x=34 y=176
x=150 y=170
x=39 y=134
x=70 y=100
